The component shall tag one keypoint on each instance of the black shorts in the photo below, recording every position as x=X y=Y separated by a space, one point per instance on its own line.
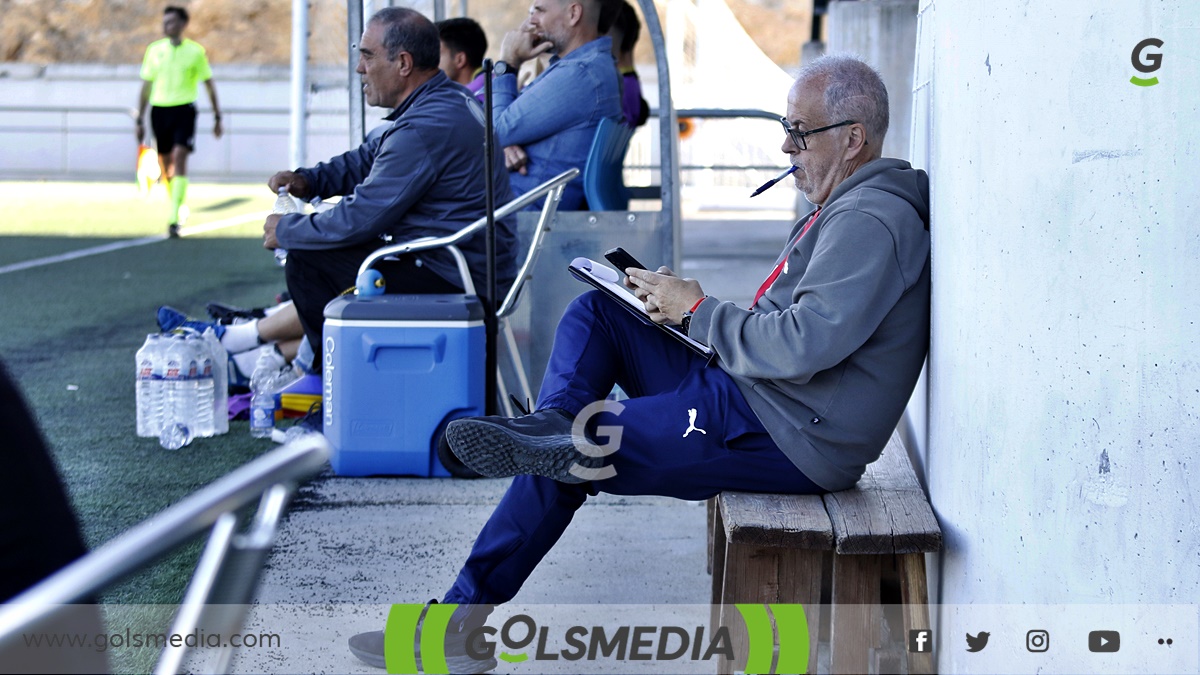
x=174 y=125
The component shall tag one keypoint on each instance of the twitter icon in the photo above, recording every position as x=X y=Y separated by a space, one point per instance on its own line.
x=976 y=643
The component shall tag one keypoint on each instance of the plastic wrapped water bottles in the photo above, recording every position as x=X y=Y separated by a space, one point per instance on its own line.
x=205 y=391
x=283 y=204
x=182 y=388
x=220 y=403
x=262 y=397
x=151 y=366
x=182 y=380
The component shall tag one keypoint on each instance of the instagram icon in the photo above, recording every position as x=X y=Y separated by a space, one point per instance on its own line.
x=1037 y=640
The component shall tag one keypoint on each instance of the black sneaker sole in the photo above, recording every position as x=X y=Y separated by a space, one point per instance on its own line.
x=497 y=452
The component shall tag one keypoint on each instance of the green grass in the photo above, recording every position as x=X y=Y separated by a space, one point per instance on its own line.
x=70 y=330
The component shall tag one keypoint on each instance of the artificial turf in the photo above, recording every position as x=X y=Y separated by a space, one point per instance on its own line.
x=70 y=331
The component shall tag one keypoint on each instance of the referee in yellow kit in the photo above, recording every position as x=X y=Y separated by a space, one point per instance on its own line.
x=172 y=70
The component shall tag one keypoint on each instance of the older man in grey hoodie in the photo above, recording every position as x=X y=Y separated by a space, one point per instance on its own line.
x=807 y=383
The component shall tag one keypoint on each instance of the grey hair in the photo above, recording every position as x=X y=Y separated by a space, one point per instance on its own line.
x=853 y=91
x=407 y=30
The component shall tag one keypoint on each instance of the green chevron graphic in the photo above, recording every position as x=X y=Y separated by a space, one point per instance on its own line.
x=789 y=631
x=1144 y=83
x=791 y=625
x=400 y=634
x=762 y=638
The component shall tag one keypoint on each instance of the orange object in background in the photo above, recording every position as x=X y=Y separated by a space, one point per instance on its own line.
x=686 y=127
x=148 y=169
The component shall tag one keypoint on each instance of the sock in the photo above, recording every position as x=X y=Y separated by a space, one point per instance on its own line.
x=241 y=337
x=179 y=186
x=275 y=308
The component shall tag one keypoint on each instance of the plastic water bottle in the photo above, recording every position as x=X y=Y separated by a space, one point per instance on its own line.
x=149 y=387
x=220 y=361
x=174 y=436
x=205 y=403
x=283 y=204
x=262 y=397
x=182 y=380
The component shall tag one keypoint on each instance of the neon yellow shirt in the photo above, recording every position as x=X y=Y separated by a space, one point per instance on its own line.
x=175 y=71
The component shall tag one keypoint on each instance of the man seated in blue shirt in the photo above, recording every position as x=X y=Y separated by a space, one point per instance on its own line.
x=548 y=127
x=418 y=176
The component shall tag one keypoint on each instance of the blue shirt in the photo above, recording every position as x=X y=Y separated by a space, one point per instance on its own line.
x=555 y=117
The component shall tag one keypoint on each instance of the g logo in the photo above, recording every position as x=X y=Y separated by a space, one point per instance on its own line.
x=1150 y=63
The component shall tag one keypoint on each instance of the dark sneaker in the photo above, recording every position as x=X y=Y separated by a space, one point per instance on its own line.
x=170 y=318
x=222 y=313
x=173 y=231
x=368 y=647
x=539 y=444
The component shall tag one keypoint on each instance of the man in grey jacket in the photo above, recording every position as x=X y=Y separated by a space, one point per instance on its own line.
x=420 y=175
x=807 y=383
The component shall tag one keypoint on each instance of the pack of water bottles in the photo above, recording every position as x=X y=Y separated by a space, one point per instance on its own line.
x=182 y=387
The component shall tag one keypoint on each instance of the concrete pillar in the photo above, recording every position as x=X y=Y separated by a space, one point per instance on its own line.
x=884 y=34
x=1065 y=360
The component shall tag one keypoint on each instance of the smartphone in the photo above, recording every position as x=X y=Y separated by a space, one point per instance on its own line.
x=622 y=260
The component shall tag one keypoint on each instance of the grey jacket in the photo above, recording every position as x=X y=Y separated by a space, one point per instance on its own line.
x=421 y=175
x=829 y=356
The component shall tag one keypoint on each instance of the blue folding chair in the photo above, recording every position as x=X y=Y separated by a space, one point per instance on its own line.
x=603 y=184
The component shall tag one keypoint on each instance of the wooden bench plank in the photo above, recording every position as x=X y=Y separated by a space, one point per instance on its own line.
x=770 y=520
x=887 y=511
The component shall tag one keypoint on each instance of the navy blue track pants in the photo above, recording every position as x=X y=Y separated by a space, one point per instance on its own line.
x=686 y=431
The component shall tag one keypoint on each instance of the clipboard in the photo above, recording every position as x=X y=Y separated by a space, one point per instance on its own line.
x=606 y=280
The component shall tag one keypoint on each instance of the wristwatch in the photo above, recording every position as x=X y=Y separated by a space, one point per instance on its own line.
x=502 y=68
x=686 y=322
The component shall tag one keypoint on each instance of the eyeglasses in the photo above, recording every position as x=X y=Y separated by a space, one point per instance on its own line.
x=798 y=136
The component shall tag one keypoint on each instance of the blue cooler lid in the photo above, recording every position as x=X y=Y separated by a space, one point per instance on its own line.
x=411 y=307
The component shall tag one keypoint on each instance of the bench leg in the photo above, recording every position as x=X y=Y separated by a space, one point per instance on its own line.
x=755 y=575
x=713 y=519
x=856 y=613
x=716 y=558
x=914 y=591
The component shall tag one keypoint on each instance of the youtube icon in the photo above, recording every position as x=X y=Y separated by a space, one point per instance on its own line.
x=1104 y=641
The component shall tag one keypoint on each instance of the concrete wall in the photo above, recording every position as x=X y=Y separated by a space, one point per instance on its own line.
x=39 y=139
x=1065 y=361
x=883 y=33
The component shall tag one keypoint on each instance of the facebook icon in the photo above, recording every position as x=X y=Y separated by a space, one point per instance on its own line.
x=920 y=640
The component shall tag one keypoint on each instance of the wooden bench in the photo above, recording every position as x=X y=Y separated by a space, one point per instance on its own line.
x=769 y=548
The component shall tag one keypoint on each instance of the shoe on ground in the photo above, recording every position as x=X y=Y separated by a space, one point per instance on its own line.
x=170 y=318
x=538 y=444
x=368 y=647
x=222 y=313
x=173 y=231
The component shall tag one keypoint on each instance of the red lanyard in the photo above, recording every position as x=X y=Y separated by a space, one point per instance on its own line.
x=787 y=252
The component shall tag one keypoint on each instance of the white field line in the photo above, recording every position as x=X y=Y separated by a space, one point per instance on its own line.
x=130 y=243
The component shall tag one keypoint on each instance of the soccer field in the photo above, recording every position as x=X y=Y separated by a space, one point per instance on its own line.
x=71 y=326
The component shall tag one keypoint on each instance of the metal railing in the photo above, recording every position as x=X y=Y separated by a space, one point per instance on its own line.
x=228 y=569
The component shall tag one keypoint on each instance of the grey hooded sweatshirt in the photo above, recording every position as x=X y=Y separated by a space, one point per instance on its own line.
x=829 y=356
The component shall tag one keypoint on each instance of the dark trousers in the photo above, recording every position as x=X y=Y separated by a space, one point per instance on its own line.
x=316 y=277
x=686 y=431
